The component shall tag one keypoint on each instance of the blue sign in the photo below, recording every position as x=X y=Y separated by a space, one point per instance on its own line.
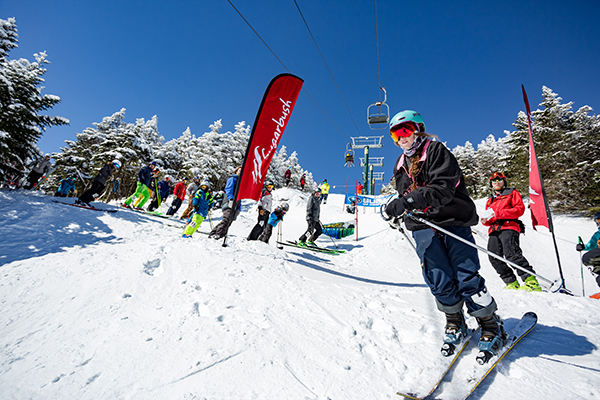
x=368 y=201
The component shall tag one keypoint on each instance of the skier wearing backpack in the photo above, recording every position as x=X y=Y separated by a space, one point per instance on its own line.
x=264 y=209
x=274 y=219
x=201 y=203
x=505 y=207
x=431 y=185
x=142 y=191
x=179 y=192
x=592 y=257
x=105 y=173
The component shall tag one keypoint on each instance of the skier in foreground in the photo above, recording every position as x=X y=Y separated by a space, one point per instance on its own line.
x=431 y=184
x=505 y=206
x=592 y=257
x=313 y=212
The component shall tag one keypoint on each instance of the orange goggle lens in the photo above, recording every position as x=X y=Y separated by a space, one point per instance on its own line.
x=402 y=130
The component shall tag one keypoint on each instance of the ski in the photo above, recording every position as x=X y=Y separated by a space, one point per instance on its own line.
x=479 y=372
x=339 y=251
x=86 y=207
x=427 y=387
x=42 y=179
x=311 y=248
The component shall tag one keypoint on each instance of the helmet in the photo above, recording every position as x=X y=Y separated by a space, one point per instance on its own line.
x=318 y=190
x=205 y=183
x=196 y=178
x=597 y=218
x=269 y=183
x=184 y=179
x=72 y=178
x=498 y=175
x=167 y=178
x=324 y=180
x=408 y=116
x=153 y=163
x=285 y=207
x=116 y=163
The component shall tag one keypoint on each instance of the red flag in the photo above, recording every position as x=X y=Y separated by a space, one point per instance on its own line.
x=537 y=200
x=272 y=118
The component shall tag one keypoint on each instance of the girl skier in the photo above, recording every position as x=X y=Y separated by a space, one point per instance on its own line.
x=431 y=184
x=201 y=203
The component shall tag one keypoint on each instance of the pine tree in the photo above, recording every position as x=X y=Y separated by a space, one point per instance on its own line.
x=21 y=101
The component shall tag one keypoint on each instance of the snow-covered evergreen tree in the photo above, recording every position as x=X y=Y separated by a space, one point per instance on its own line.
x=21 y=101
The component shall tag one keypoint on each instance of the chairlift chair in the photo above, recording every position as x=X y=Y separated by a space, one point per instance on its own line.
x=378 y=113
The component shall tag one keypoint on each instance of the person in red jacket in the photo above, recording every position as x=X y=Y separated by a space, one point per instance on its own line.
x=503 y=210
x=179 y=192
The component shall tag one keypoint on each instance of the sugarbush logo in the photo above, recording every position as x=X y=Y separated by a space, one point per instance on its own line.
x=262 y=154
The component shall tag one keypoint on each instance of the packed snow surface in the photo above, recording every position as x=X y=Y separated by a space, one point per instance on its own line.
x=99 y=305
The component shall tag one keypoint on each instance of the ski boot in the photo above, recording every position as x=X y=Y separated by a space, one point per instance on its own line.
x=455 y=332
x=531 y=284
x=513 y=285
x=302 y=243
x=310 y=244
x=493 y=337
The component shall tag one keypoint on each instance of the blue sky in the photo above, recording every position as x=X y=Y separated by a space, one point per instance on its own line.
x=460 y=64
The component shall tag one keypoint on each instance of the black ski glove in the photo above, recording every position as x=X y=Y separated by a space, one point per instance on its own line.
x=396 y=207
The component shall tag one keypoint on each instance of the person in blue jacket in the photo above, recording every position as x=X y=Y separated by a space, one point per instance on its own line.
x=222 y=227
x=592 y=257
x=274 y=219
x=67 y=186
x=142 y=191
x=201 y=202
x=161 y=193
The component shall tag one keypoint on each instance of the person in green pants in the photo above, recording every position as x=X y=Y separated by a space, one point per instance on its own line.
x=202 y=202
x=142 y=193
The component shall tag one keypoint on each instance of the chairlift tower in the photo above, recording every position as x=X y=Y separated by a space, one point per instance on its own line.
x=366 y=142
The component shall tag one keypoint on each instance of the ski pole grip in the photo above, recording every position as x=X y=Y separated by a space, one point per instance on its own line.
x=580 y=241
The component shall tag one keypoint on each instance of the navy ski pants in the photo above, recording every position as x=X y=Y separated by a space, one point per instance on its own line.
x=451 y=270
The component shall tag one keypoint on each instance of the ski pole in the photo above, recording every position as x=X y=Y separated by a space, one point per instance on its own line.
x=581 y=264
x=489 y=253
x=279 y=235
x=210 y=221
x=407 y=238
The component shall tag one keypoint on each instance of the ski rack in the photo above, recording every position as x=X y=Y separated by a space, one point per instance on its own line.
x=378 y=113
x=373 y=142
x=374 y=161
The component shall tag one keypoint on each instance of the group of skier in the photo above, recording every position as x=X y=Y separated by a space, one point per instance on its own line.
x=435 y=206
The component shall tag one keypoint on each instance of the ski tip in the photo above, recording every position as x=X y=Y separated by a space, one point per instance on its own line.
x=530 y=314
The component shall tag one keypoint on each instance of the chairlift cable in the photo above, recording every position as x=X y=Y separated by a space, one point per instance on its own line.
x=327 y=66
x=377 y=46
x=287 y=69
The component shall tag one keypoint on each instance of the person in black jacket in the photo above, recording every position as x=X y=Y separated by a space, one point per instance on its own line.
x=142 y=191
x=313 y=213
x=104 y=174
x=431 y=185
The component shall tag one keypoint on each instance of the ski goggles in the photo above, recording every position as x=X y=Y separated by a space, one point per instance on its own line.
x=497 y=176
x=494 y=180
x=404 y=129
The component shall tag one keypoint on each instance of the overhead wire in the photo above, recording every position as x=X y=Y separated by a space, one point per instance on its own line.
x=327 y=66
x=287 y=69
x=377 y=46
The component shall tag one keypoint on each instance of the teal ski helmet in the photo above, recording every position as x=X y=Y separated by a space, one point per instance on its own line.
x=408 y=116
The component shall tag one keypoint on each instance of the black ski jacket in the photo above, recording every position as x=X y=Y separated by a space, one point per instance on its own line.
x=441 y=195
x=104 y=174
x=313 y=208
